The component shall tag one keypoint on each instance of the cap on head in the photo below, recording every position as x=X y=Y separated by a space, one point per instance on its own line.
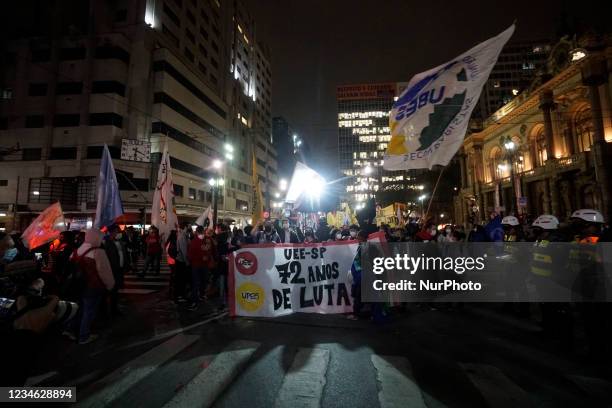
x=588 y=215
x=546 y=221
x=510 y=220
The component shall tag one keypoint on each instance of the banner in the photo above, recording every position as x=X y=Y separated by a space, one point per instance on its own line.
x=163 y=214
x=279 y=279
x=207 y=215
x=45 y=228
x=429 y=120
x=109 y=204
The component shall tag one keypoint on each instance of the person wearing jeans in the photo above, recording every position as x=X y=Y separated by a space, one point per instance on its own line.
x=201 y=258
x=98 y=276
x=154 y=252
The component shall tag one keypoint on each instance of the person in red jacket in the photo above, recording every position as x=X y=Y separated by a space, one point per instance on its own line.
x=202 y=258
x=154 y=252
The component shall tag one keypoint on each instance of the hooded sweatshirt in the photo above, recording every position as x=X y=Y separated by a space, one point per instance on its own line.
x=93 y=238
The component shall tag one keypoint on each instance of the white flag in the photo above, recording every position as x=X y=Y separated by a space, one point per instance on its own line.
x=429 y=120
x=206 y=215
x=163 y=214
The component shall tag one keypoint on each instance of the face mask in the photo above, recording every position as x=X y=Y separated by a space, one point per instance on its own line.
x=338 y=236
x=353 y=234
x=285 y=227
x=201 y=236
x=268 y=229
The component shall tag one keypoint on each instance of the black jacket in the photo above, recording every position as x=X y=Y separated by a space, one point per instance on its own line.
x=293 y=238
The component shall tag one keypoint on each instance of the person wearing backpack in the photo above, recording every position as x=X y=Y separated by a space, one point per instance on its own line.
x=97 y=277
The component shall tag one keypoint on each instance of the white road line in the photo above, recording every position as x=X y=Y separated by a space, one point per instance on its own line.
x=205 y=387
x=145 y=283
x=304 y=382
x=115 y=384
x=497 y=389
x=137 y=291
x=397 y=387
x=211 y=317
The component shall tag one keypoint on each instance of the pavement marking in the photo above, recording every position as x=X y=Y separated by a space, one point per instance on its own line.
x=205 y=387
x=115 y=384
x=495 y=387
x=304 y=382
x=396 y=384
x=37 y=379
x=162 y=336
x=129 y=291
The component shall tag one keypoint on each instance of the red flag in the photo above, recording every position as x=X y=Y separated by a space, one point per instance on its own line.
x=45 y=228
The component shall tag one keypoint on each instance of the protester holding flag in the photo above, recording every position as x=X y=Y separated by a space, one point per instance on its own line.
x=201 y=255
x=45 y=228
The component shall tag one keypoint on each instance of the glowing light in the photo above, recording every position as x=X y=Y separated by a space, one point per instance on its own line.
x=2 y=214
x=367 y=170
x=229 y=147
x=211 y=182
x=36 y=193
x=217 y=164
x=283 y=184
x=509 y=145
x=277 y=195
x=515 y=92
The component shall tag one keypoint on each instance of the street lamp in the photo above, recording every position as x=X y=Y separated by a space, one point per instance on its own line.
x=216 y=183
x=421 y=198
x=217 y=164
x=282 y=184
x=511 y=151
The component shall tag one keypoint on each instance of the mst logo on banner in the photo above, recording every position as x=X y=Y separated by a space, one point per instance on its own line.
x=276 y=280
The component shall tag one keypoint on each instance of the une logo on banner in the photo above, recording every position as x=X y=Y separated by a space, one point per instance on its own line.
x=246 y=263
x=250 y=296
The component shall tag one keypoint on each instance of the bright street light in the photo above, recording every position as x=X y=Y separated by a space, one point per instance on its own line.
x=277 y=195
x=217 y=164
x=422 y=197
x=509 y=145
x=211 y=181
x=283 y=184
x=229 y=147
x=367 y=170
x=441 y=215
x=502 y=167
x=221 y=182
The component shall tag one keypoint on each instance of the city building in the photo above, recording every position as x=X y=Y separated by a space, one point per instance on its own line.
x=515 y=69
x=363 y=135
x=547 y=151
x=136 y=75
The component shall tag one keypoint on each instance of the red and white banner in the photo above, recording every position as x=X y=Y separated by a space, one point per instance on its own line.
x=45 y=228
x=269 y=280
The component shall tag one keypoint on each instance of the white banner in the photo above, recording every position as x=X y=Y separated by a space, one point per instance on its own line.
x=429 y=120
x=279 y=279
x=163 y=213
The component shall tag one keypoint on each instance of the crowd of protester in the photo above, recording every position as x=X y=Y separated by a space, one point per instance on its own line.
x=87 y=268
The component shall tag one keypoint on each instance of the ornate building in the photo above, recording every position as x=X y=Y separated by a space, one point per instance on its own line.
x=547 y=150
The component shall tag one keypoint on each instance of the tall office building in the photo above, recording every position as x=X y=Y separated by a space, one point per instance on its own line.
x=363 y=135
x=136 y=75
x=515 y=70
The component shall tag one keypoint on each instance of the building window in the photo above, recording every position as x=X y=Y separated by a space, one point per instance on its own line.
x=191 y=17
x=584 y=130
x=37 y=90
x=106 y=119
x=178 y=190
x=192 y=194
x=168 y=11
x=189 y=54
x=171 y=36
x=109 y=87
x=69 y=88
x=95 y=152
x=112 y=52
x=63 y=153
x=120 y=15
x=35 y=121
x=31 y=154
x=203 y=50
x=538 y=148
x=3 y=183
x=66 y=120
x=242 y=205
x=201 y=196
x=190 y=36
x=202 y=68
x=69 y=54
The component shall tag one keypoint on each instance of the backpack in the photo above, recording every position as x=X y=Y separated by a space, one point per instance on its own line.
x=85 y=274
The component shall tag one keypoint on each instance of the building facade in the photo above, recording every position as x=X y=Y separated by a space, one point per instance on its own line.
x=548 y=150
x=134 y=73
x=514 y=72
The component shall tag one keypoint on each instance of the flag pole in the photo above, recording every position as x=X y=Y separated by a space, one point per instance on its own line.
x=433 y=193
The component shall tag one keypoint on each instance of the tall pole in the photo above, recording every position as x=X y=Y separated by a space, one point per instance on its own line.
x=215 y=190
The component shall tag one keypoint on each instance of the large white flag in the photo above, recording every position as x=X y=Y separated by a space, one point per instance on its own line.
x=206 y=215
x=163 y=214
x=429 y=120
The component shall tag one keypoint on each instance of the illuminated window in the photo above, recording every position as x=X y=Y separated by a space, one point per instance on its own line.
x=584 y=130
x=363 y=155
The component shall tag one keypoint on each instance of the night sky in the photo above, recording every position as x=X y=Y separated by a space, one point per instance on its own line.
x=319 y=44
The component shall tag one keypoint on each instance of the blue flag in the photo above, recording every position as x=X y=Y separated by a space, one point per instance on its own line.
x=109 y=200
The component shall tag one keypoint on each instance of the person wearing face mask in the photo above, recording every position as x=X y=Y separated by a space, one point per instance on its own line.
x=446 y=235
x=309 y=236
x=267 y=235
x=428 y=233
x=335 y=235
x=200 y=256
x=353 y=231
x=117 y=256
x=287 y=235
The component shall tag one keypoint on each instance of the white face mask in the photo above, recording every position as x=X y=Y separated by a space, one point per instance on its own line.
x=353 y=234
x=201 y=236
x=338 y=236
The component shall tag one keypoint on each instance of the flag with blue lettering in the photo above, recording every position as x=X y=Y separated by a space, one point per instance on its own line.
x=429 y=119
x=109 y=204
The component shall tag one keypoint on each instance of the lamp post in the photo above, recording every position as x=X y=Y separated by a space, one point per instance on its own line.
x=421 y=198
x=511 y=150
